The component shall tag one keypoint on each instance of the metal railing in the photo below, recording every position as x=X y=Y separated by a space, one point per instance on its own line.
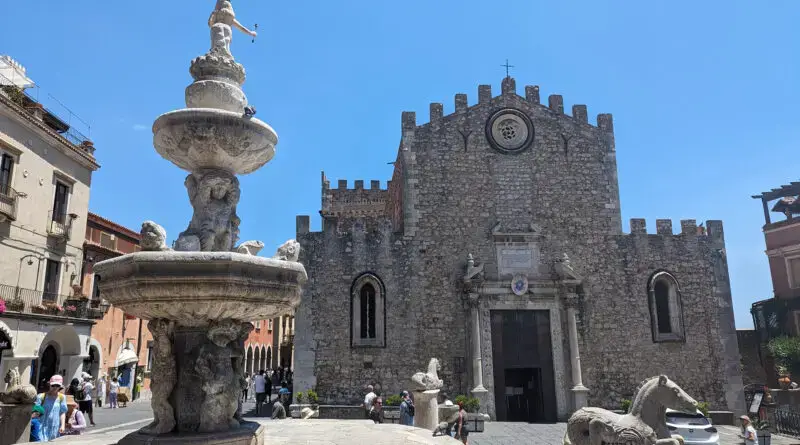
x=18 y=299
x=29 y=99
x=787 y=422
x=8 y=201
x=59 y=224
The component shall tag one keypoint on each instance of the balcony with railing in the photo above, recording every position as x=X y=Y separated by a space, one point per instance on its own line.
x=8 y=202
x=59 y=224
x=31 y=98
x=29 y=301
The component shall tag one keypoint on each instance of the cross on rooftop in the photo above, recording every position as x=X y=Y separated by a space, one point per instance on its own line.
x=507 y=66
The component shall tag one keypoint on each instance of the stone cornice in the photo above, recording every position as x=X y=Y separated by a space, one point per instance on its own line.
x=61 y=143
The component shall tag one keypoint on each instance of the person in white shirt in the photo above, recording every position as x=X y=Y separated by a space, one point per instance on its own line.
x=369 y=399
x=85 y=405
x=261 y=389
x=748 y=432
x=101 y=391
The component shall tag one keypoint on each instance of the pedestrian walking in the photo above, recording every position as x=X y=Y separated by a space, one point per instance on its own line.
x=406 y=409
x=261 y=390
x=368 y=399
x=55 y=408
x=76 y=423
x=461 y=424
x=84 y=397
x=113 y=392
x=101 y=391
x=376 y=412
x=245 y=386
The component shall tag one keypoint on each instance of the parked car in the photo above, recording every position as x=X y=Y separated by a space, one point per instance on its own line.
x=696 y=429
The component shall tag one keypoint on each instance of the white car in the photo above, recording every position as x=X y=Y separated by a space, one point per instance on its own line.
x=696 y=429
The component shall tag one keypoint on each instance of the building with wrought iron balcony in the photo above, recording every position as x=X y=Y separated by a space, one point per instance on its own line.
x=46 y=166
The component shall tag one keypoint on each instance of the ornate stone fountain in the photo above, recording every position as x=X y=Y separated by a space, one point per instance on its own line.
x=201 y=298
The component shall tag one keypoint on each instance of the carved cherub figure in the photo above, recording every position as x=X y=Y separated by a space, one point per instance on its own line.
x=288 y=251
x=220 y=21
x=165 y=377
x=214 y=195
x=154 y=237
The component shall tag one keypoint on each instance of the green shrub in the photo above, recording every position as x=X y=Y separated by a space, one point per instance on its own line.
x=394 y=400
x=703 y=407
x=300 y=396
x=472 y=405
x=786 y=352
x=312 y=397
x=626 y=405
x=460 y=399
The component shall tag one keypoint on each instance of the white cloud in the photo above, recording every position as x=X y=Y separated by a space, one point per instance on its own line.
x=140 y=127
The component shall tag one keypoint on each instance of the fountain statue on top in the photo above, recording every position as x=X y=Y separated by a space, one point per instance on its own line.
x=201 y=297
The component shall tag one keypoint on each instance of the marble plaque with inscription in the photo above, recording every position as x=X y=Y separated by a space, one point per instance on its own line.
x=517 y=259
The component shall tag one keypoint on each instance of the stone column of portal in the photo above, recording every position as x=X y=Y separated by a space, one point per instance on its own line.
x=580 y=393
x=477 y=361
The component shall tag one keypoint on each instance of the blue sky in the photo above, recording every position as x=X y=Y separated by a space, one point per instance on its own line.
x=704 y=96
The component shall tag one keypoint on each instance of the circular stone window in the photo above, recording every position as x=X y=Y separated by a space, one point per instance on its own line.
x=509 y=131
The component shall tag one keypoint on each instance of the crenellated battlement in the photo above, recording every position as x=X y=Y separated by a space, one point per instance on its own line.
x=353 y=202
x=688 y=227
x=555 y=103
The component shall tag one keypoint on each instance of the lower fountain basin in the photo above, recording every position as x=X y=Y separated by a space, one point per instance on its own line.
x=195 y=288
x=201 y=138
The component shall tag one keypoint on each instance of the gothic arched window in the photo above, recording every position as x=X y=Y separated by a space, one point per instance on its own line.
x=666 y=311
x=368 y=313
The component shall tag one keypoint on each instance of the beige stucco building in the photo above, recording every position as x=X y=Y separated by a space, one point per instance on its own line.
x=46 y=169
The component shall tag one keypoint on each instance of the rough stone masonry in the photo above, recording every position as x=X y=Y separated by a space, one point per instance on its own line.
x=532 y=194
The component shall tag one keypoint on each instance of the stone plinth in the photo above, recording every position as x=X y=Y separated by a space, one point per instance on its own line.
x=249 y=433
x=15 y=423
x=426 y=413
x=192 y=288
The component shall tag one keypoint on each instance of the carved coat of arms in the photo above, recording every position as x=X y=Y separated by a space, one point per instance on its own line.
x=519 y=284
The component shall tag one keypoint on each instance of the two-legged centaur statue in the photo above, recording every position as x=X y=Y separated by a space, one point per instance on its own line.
x=644 y=424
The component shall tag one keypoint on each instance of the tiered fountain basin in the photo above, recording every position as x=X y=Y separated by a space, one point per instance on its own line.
x=208 y=138
x=194 y=288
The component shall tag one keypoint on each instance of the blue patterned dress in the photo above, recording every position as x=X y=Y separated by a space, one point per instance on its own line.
x=54 y=407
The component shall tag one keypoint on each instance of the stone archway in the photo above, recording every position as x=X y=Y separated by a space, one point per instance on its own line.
x=263 y=358
x=63 y=343
x=248 y=368
x=256 y=360
x=269 y=357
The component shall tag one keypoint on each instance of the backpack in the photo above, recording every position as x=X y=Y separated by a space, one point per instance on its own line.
x=80 y=393
x=410 y=407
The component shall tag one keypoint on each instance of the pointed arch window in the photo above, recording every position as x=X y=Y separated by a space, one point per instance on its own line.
x=666 y=310
x=368 y=314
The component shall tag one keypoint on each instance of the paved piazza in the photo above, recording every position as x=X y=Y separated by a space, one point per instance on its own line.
x=507 y=433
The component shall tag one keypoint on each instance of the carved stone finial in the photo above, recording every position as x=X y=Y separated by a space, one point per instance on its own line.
x=250 y=247
x=154 y=237
x=288 y=251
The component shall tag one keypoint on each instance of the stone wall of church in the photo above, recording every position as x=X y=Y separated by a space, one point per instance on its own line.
x=453 y=191
x=617 y=347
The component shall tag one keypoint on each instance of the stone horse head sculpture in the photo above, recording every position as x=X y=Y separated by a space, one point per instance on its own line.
x=428 y=381
x=17 y=392
x=645 y=424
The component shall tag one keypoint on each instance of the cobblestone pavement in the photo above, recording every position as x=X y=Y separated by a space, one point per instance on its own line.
x=507 y=433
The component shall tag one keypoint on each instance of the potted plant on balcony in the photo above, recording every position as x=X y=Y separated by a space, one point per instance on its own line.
x=15 y=305
x=71 y=311
x=786 y=353
x=39 y=309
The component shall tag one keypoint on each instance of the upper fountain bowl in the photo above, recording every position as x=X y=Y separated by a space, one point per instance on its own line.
x=201 y=138
x=195 y=288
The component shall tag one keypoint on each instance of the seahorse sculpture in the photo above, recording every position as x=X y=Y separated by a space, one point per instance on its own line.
x=17 y=393
x=641 y=426
x=427 y=381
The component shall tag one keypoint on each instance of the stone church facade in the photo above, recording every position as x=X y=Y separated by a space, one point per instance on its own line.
x=498 y=248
